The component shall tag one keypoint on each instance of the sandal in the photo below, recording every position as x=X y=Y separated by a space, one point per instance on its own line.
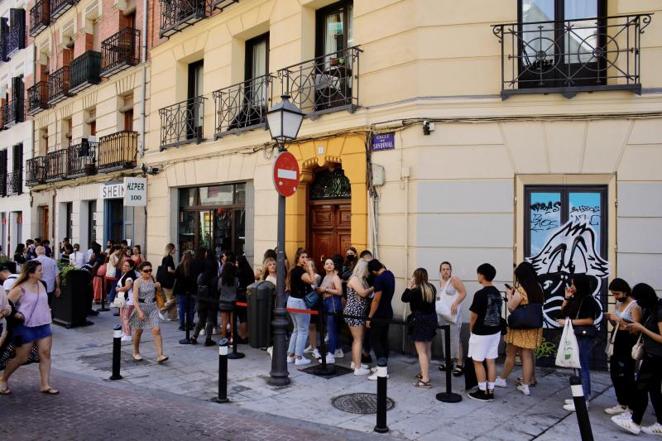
x=423 y=384
x=137 y=357
x=162 y=358
x=458 y=371
x=419 y=376
x=5 y=391
x=50 y=391
x=520 y=381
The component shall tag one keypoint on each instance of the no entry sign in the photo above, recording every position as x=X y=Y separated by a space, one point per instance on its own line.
x=286 y=174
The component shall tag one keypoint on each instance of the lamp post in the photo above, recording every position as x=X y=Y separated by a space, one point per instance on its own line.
x=284 y=121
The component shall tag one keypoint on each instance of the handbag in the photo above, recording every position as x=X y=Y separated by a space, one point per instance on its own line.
x=311 y=299
x=638 y=349
x=410 y=323
x=584 y=331
x=567 y=354
x=609 y=349
x=443 y=304
x=527 y=316
x=159 y=297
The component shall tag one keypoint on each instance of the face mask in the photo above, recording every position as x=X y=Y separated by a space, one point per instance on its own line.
x=351 y=257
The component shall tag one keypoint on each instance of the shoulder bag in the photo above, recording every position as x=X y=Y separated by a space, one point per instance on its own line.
x=609 y=349
x=311 y=299
x=638 y=348
x=159 y=298
x=444 y=302
x=584 y=331
x=528 y=316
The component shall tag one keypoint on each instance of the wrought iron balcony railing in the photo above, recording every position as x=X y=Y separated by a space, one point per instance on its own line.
x=120 y=51
x=326 y=83
x=81 y=159
x=183 y=122
x=56 y=164
x=58 y=85
x=59 y=7
x=35 y=172
x=15 y=39
x=179 y=14
x=38 y=97
x=571 y=56
x=13 y=112
x=242 y=105
x=40 y=17
x=85 y=71
x=15 y=182
x=117 y=151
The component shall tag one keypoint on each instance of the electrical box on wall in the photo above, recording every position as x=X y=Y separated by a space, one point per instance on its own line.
x=378 y=175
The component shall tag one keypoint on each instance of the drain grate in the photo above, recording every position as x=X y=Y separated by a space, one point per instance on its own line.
x=359 y=403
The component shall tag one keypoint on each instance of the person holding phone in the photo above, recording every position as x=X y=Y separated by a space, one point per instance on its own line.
x=301 y=277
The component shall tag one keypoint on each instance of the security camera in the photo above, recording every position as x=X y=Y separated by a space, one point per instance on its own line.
x=428 y=127
x=150 y=170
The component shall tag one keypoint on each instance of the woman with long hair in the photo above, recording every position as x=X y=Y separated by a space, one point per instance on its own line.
x=420 y=294
x=270 y=273
x=113 y=266
x=649 y=379
x=331 y=291
x=146 y=314
x=136 y=255
x=166 y=278
x=31 y=300
x=301 y=277
x=19 y=256
x=207 y=298
x=357 y=307
x=582 y=309
x=526 y=290
x=125 y=288
x=245 y=277
x=98 y=261
x=184 y=290
x=228 y=292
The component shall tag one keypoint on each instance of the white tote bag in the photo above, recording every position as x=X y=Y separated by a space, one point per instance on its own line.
x=444 y=302
x=568 y=351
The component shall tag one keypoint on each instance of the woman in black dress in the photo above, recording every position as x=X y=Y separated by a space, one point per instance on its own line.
x=421 y=295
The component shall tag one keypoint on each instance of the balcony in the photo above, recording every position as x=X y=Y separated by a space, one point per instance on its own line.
x=117 y=151
x=38 y=97
x=567 y=57
x=242 y=106
x=325 y=84
x=58 y=85
x=183 y=122
x=15 y=182
x=35 y=172
x=179 y=14
x=40 y=17
x=13 y=112
x=15 y=39
x=56 y=164
x=85 y=71
x=120 y=51
x=81 y=159
x=59 y=7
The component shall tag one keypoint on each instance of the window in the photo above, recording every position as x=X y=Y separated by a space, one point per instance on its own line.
x=334 y=28
x=90 y=122
x=66 y=132
x=195 y=92
x=43 y=141
x=257 y=56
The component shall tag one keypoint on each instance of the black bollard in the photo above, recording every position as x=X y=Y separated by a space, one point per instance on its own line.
x=222 y=372
x=580 y=408
x=103 y=296
x=235 y=355
x=187 y=339
x=448 y=396
x=117 y=352
x=382 y=379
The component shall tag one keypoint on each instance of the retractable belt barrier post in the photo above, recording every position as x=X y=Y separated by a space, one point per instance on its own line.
x=222 y=372
x=235 y=355
x=382 y=381
x=448 y=396
x=580 y=408
x=117 y=352
x=324 y=369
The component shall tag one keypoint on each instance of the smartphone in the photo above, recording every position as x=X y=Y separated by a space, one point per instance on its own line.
x=508 y=286
x=627 y=321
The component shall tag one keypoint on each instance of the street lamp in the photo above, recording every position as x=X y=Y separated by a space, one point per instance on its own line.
x=284 y=121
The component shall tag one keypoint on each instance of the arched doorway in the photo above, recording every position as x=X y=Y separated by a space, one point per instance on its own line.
x=330 y=214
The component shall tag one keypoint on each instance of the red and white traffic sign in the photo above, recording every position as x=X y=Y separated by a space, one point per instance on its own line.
x=286 y=174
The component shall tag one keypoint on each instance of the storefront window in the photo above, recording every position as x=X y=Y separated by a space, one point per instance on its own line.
x=213 y=217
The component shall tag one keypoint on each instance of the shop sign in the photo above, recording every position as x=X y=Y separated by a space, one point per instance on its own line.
x=113 y=190
x=135 y=192
x=383 y=141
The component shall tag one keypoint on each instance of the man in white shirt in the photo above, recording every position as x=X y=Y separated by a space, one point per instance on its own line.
x=50 y=274
x=7 y=279
x=77 y=258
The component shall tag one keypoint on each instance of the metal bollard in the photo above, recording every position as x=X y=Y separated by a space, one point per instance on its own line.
x=448 y=396
x=222 y=372
x=583 y=420
x=382 y=379
x=117 y=352
x=235 y=355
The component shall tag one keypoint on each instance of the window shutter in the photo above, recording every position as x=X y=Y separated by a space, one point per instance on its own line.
x=18 y=92
x=4 y=38
x=17 y=20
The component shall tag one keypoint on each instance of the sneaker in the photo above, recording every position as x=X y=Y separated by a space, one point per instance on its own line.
x=290 y=358
x=308 y=350
x=353 y=366
x=490 y=395
x=571 y=406
x=301 y=361
x=479 y=395
x=524 y=388
x=500 y=382
x=330 y=359
x=627 y=425
x=373 y=376
x=568 y=401
x=126 y=338
x=202 y=331
x=361 y=371
x=339 y=353
x=617 y=409
x=270 y=351
x=317 y=354
x=653 y=429
x=624 y=416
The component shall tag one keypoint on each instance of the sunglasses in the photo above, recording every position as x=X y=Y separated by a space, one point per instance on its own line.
x=148 y=270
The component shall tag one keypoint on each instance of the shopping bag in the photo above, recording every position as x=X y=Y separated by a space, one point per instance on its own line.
x=568 y=351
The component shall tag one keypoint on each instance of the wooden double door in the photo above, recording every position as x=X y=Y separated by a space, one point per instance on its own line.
x=330 y=229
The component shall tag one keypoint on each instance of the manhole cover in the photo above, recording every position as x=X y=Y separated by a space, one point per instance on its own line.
x=361 y=403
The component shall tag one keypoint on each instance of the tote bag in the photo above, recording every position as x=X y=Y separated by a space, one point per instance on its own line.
x=444 y=302
x=568 y=351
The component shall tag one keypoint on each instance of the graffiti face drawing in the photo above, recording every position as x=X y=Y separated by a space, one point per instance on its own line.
x=571 y=249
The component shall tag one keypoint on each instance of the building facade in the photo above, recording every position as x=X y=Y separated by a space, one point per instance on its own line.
x=16 y=71
x=88 y=102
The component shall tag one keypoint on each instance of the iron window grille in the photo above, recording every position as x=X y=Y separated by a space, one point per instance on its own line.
x=35 y=172
x=179 y=14
x=571 y=56
x=56 y=165
x=117 y=151
x=243 y=105
x=326 y=83
x=120 y=51
x=59 y=7
x=58 y=85
x=38 y=97
x=183 y=122
x=40 y=17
